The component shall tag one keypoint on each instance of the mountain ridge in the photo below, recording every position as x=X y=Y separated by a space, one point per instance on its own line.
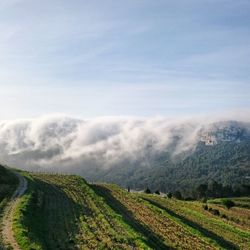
x=148 y=152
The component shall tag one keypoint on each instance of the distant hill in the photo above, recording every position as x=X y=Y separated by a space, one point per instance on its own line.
x=222 y=154
x=156 y=152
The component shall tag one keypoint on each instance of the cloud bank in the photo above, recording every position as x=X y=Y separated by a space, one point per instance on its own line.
x=65 y=144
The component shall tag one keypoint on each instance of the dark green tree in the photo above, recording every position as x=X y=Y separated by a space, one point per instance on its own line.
x=177 y=195
x=157 y=192
x=228 y=203
x=170 y=195
x=202 y=191
x=147 y=191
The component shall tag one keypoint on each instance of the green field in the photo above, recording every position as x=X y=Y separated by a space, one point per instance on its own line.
x=65 y=212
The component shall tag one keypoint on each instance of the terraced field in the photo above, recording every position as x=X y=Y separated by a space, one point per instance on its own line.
x=161 y=228
x=65 y=212
x=230 y=229
x=182 y=224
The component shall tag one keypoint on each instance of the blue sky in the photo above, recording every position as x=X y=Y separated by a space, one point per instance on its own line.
x=127 y=58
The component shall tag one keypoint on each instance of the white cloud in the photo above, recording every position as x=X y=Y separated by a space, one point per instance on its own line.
x=64 y=143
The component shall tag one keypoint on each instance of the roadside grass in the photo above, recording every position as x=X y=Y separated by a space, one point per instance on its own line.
x=8 y=184
x=25 y=221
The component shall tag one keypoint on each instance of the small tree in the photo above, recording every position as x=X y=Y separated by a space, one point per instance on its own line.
x=170 y=195
x=215 y=212
x=147 y=191
x=201 y=191
x=228 y=203
x=205 y=207
x=177 y=195
x=204 y=200
x=215 y=189
x=157 y=192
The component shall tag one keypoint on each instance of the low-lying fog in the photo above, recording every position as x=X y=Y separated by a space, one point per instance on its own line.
x=63 y=143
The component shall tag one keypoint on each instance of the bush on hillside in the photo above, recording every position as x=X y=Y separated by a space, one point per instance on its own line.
x=205 y=207
x=169 y=195
x=147 y=191
x=228 y=203
x=177 y=195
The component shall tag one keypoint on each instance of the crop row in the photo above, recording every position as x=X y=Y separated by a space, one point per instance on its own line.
x=164 y=227
x=227 y=234
x=95 y=224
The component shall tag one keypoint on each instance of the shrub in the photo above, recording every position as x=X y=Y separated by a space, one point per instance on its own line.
x=177 y=195
x=228 y=203
x=205 y=207
x=189 y=199
x=224 y=216
x=215 y=212
x=204 y=200
x=147 y=191
x=71 y=241
x=157 y=192
x=169 y=195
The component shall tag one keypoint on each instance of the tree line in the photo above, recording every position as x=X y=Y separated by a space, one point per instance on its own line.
x=208 y=190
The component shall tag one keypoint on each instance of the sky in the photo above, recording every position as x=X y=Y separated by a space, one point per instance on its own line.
x=124 y=58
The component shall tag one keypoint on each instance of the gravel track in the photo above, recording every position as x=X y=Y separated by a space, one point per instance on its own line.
x=7 y=232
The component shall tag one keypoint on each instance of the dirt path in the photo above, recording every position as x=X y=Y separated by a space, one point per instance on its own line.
x=7 y=232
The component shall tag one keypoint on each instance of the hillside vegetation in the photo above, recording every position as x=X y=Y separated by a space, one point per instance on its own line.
x=227 y=163
x=8 y=184
x=65 y=212
x=165 y=155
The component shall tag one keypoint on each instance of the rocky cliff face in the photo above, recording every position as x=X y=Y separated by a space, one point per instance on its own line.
x=225 y=132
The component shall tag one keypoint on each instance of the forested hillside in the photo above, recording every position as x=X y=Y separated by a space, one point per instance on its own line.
x=158 y=153
x=227 y=162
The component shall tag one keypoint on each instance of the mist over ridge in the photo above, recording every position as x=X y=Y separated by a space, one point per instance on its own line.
x=60 y=143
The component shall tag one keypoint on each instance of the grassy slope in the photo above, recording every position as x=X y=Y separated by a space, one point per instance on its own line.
x=239 y=215
x=64 y=212
x=224 y=232
x=8 y=184
x=160 y=226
